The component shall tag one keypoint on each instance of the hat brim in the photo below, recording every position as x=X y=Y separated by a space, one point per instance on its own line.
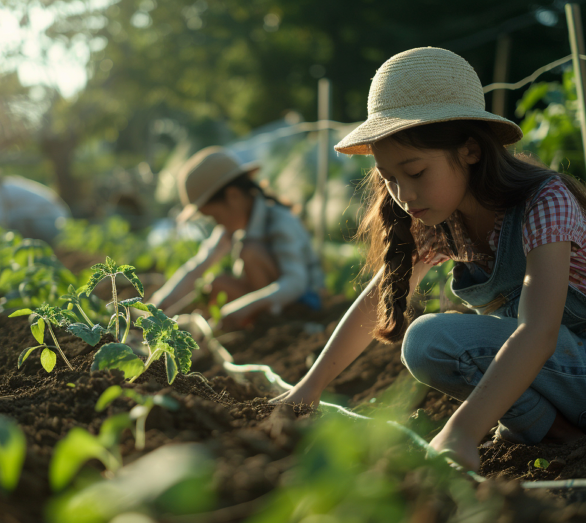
x=386 y=123
x=190 y=211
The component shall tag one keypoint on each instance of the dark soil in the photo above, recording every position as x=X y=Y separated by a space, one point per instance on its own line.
x=251 y=439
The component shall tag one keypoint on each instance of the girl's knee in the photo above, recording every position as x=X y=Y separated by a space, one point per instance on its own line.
x=416 y=353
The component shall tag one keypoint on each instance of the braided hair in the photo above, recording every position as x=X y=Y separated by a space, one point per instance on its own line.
x=500 y=180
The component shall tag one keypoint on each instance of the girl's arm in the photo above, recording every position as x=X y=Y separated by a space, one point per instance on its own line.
x=351 y=337
x=182 y=282
x=520 y=359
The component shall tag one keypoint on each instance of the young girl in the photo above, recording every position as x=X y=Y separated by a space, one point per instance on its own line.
x=275 y=265
x=445 y=187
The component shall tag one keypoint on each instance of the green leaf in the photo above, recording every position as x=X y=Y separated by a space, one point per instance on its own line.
x=166 y=401
x=26 y=353
x=118 y=356
x=20 y=312
x=38 y=330
x=95 y=278
x=12 y=452
x=108 y=396
x=48 y=359
x=90 y=336
x=541 y=463
x=112 y=429
x=171 y=367
x=135 y=303
x=71 y=453
x=133 y=279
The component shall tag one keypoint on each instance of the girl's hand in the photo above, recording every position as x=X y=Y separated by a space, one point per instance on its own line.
x=458 y=446
x=301 y=393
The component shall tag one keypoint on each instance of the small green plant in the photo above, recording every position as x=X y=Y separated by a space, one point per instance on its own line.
x=139 y=412
x=12 y=453
x=79 y=446
x=162 y=337
x=110 y=270
x=541 y=463
x=46 y=316
x=30 y=274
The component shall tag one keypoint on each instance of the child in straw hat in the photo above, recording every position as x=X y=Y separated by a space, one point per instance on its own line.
x=277 y=264
x=443 y=187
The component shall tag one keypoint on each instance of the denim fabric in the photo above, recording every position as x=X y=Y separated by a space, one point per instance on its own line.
x=451 y=352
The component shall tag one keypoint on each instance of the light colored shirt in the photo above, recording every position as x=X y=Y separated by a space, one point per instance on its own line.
x=289 y=243
x=30 y=208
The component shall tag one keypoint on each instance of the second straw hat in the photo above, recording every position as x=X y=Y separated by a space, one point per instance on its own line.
x=205 y=173
x=421 y=86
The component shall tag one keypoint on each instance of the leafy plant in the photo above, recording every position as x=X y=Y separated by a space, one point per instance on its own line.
x=30 y=274
x=47 y=316
x=79 y=446
x=110 y=270
x=12 y=453
x=139 y=412
x=162 y=336
x=550 y=124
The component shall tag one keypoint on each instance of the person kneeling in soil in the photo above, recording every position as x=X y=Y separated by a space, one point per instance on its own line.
x=444 y=186
x=275 y=264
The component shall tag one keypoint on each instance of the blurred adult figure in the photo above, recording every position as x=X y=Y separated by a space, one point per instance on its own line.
x=275 y=264
x=31 y=208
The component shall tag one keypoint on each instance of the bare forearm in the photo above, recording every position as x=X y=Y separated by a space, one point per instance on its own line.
x=348 y=341
x=510 y=374
x=180 y=283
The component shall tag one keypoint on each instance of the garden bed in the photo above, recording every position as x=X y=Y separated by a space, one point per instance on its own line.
x=251 y=440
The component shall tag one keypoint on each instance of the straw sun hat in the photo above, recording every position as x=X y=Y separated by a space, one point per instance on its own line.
x=205 y=173
x=420 y=86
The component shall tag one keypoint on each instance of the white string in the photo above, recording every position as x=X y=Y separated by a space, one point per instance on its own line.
x=530 y=78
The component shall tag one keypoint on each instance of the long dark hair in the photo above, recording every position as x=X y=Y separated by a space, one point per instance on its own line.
x=499 y=181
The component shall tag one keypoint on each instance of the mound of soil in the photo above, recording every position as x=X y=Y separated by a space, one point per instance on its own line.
x=252 y=440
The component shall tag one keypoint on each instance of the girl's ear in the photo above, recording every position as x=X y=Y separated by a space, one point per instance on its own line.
x=470 y=153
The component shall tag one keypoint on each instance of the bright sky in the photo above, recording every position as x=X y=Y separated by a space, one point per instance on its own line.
x=42 y=62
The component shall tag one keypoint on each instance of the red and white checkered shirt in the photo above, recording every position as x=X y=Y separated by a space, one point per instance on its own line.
x=554 y=216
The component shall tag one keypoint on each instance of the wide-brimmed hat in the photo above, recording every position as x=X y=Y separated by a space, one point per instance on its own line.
x=204 y=174
x=421 y=86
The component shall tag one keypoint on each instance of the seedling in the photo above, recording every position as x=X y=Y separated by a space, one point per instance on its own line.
x=80 y=446
x=162 y=336
x=46 y=315
x=12 y=453
x=110 y=270
x=139 y=412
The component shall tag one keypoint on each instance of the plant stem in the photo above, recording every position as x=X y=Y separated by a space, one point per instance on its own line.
x=115 y=300
x=126 y=331
x=140 y=439
x=57 y=344
x=84 y=315
x=153 y=356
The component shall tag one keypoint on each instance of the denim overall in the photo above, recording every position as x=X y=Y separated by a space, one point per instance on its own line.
x=451 y=352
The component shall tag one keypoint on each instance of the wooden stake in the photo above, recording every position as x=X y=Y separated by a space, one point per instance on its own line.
x=501 y=72
x=577 y=45
x=323 y=114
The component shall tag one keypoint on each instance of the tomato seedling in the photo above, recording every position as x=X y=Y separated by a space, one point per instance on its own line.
x=139 y=412
x=79 y=446
x=111 y=269
x=46 y=315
